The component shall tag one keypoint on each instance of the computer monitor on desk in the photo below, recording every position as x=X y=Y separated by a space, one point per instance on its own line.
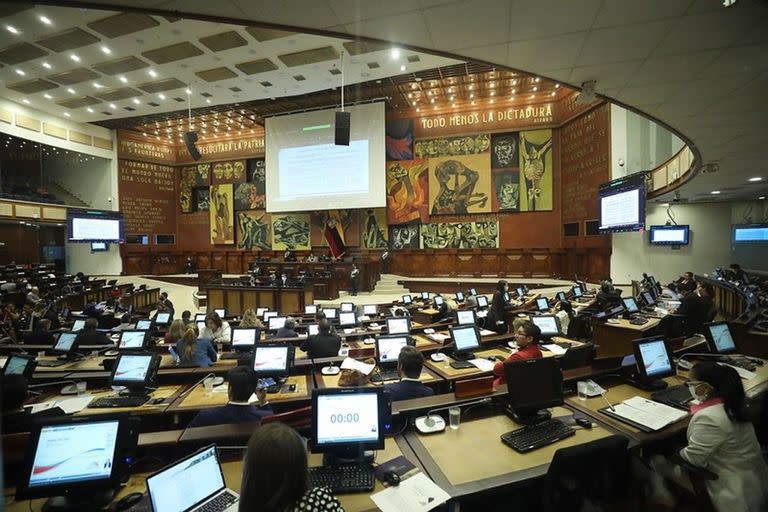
x=549 y=325
x=200 y=317
x=346 y=307
x=132 y=340
x=630 y=304
x=399 y=325
x=331 y=313
x=370 y=309
x=719 y=338
x=145 y=325
x=136 y=372
x=465 y=338
x=347 y=319
x=78 y=325
x=473 y=291
x=465 y=317
x=276 y=322
x=313 y=329
x=576 y=291
x=388 y=349
x=222 y=312
x=77 y=462
x=346 y=422
x=533 y=386
x=653 y=362
x=260 y=312
x=244 y=338
x=459 y=296
x=520 y=292
x=424 y=295
x=407 y=299
x=273 y=359
x=560 y=296
x=162 y=318
x=542 y=304
x=65 y=345
x=439 y=301
x=482 y=301
x=310 y=309
x=20 y=364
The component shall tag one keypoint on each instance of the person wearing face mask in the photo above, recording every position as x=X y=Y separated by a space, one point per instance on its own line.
x=720 y=438
x=527 y=337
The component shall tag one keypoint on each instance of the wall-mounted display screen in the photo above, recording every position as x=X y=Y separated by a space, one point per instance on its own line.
x=621 y=204
x=95 y=226
x=749 y=234
x=669 y=235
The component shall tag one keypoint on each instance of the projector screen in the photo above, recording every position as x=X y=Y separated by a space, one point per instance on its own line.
x=94 y=226
x=621 y=205
x=306 y=171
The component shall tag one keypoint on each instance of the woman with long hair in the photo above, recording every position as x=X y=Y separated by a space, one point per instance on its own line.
x=195 y=351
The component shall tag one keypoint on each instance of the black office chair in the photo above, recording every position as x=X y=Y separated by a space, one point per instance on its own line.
x=597 y=471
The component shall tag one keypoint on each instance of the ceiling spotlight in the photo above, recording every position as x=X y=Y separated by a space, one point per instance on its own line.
x=395 y=53
x=402 y=67
x=537 y=79
x=553 y=93
x=761 y=197
x=45 y=19
x=47 y=96
x=135 y=101
x=66 y=114
x=11 y=29
x=112 y=106
x=208 y=100
x=106 y=51
x=70 y=90
x=755 y=179
x=25 y=100
x=514 y=91
x=189 y=91
x=46 y=65
x=152 y=73
x=20 y=72
x=557 y=86
x=535 y=89
x=98 y=85
x=90 y=110
x=74 y=57
x=587 y=94
x=123 y=79
x=715 y=192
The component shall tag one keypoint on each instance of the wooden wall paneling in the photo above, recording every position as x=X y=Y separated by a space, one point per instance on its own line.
x=465 y=264
x=250 y=301
x=215 y=299
x=489 y=265
x=203 y=260
x=219 y=262
x=235 y=301
x=540 y=265
x=266 y=300
x=290 y=302
x=512 y=264
x=235 y=263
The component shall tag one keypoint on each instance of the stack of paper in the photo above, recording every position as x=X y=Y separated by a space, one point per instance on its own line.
x=483 y=365
x=555 y=349
x=415 y=494
x=486 y=332
x=647 y=413
x=353 y=364
x=440 y=338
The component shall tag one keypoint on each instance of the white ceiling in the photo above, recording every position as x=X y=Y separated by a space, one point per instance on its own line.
x=693 y=64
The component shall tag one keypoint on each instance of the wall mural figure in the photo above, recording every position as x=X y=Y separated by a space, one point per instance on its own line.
x=456 y=187
x=460 y=235
x=375 y=229
x=192 y=177
x=222 y=214
x=404 y=237
x=229 y=172
x=407 y=191
x=202 y=198
x=452 y=146
x=247 y=197
x=290 y=232
x=536 y=160
x=254 y=230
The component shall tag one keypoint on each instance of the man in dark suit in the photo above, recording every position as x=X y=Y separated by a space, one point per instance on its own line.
x=165 y=305
x=90 y=336
x=409 y=364
x=242 y=384
x=323 y=344
x=288 y=330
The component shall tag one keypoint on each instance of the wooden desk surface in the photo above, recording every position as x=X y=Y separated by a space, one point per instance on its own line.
x=459 y=463
x=198 y=399
x=446 y=371
x=167 y=392
x=625 y=324
x=332 y=381
x=233 y=472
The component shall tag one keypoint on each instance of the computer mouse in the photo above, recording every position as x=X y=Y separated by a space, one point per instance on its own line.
x=218 y=381
x=392 y=479
x=127 y=501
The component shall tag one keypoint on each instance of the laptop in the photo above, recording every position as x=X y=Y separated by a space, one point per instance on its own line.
x=206 y=492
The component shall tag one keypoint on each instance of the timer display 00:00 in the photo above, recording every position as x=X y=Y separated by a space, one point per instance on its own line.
x=351 y=417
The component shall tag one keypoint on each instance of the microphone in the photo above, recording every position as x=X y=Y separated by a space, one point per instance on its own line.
x=430 y=424
x=189 y=390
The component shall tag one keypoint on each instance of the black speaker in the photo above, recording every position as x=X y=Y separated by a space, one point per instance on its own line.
x=189 y=139
x=342 y=128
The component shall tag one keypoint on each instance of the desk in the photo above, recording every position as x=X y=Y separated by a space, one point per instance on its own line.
x=446 y=371
x=167 y=392
x=236 y=299
x=198 y=399
x=616 y=339
x=425 y=316
x=332 y=381
x=462 y=465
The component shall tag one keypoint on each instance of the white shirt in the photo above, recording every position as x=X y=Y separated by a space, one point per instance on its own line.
x=220 y=335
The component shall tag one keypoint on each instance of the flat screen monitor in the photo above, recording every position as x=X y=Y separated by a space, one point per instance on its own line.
x=260 y=312
x=669 y=235
x=439 y=301
x=347 y=319
x=19 y=364
x=533 y=385
x=407 y=299
x=66 y=343
x=310 y=309
x=630 y=304
x=162 y=318
x=466 y=338
x=473 y=291
x=144 y=325
x=370 y=309
x=749 y=234
x=200 y=326
x=331 y=313
x=99 y=247
x=576 y=290
x=616 y=310
x=95 y=226
x=276 y=322
x=549 y=325
x=719 y=338
x=654 y=360
x=648 y=298
x=459 y=296
x=222 y=312
x=520 y=292
x=465 y=317
x=425 y=295
x=244 y=338
x=542 y=304
x=348 y=419
x=270 y=314
x=560 y=296
x=272 y=359
x=399 y=325
x=388 y=348
x=132 y=340
x=313 y=329
x=78 y=325
x=200 y=470
x=621 y=205
x=482 y=301
x=346 y=307
x=134 y=371
x=507 y=297
x=199 y=317
x=74 y=456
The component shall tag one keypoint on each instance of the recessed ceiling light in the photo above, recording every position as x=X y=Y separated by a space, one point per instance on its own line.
x=20 y=72
x=112 y=106
x=74 y=57
x=105 y=50
x=98 y=85
x=761 y=197
x=25 y=100
x=11 y=29
x=553 y=93
x=45 y=19
x=89 y=109
x=557 y=86
x=491 y=100
x=135 y=101
x=514 y=91
x=208 y=100
x=418 y=110
x=493 y=93
x=47 y=96
x=538 y=79
x=71 y=90
x=123 y=79
x=161 y=96
x=152 y=73
x=66 y=114
x=402 y=67
x=715 y=192
x=535 y=89
x=189 y=91
x=46 y=65
x=471 y=95
x=756 y=178
x=395 y=53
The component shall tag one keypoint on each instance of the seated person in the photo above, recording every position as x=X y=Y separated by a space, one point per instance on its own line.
x=527 y=336
x=186 y=317
x=41 y=334
x=242 y=384
x=216 y=329
x=322 y=344
x=409 y=364
x=175 y=331
x=90 y=336
x=288 y=330
x=33 y=296
x=165 y=305
x=697 y=309
x=606 y=298
x=250 y=319
x=685 y=284
x=564 y=312
x=14 y=394
x=121 y=305
x=194 y=351
x=738 y=273
x=276 y=477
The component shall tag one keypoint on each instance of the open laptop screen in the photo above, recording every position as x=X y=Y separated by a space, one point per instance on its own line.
x=187 y=482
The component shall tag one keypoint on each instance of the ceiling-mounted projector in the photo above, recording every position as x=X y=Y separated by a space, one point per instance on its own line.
x=587 y=94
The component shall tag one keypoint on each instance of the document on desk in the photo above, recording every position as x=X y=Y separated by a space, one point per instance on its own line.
x=483 y=365
x=555 y=349
x=486 y=332
x=353 y=364
x=743 y=373
x=68 y=405
x=415 y=494
x=436 y=336
x=646 y=413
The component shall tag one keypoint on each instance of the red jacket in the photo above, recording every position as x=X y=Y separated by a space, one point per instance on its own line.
x=529 y=352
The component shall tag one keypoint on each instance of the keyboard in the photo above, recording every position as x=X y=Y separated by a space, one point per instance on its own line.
x=535 y=436
x=48 y=363
x=385 y=375
x=461 y=365
x=344 y=478
x=218 y=504
x=118 y=401
x=675 y=396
